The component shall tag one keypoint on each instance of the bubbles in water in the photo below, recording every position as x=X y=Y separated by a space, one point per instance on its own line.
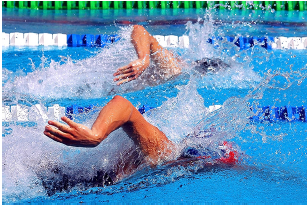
x=34 y=165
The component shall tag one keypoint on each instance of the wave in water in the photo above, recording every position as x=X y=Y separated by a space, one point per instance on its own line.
x=34 y=165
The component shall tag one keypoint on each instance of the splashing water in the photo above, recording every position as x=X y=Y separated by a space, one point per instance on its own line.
x=82 y=79
x=34 y=165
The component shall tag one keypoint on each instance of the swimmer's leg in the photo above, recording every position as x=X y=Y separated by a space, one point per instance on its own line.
x=146 y=46
x=119 y=112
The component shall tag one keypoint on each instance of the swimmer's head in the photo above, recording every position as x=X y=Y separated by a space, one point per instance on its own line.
x=206 y=65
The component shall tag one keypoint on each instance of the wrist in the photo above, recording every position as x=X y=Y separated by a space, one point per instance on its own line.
x=145 y=58
x=145 y=61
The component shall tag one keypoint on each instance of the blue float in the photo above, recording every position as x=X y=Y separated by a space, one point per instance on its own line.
x=258 y=40
x=229 y=38
x=75 y=109
x=265 y=42
x=102 y=40
x=88 y=40
x=144 y=109
x=240 y=43
x=73 y=40
x=258 y=114
x=246 y=42
x=214 y=39
x=304 y=113
x=268 y=42
x=261 y=114
x=115 y=38
x=274 y=113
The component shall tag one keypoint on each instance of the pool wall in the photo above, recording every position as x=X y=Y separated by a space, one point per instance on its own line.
x=278 y=5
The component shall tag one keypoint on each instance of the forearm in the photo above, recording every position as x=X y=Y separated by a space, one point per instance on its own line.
x=119 y=112
x=115 y=114
x=140 y=38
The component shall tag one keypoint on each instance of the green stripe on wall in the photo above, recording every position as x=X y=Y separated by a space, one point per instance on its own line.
x=92 y=5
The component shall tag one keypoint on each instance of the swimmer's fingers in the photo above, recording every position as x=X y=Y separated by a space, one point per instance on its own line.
x=60 y=126
x=60 y=130
x=123 y=69
x=131 y=74
x=70 y=122
x=57 y=135
x=60 y=139
x=124 y=76
x=73 y=134
x=124 y=81
x=126 y=71
x=52 y=136
x=135 y=66
x=127 y=80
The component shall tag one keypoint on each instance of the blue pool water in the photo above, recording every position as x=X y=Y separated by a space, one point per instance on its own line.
x=273 y=160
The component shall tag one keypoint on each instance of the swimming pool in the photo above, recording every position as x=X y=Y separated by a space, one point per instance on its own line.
x=273 y=161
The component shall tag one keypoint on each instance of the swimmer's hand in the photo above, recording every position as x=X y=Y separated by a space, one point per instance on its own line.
x=74 y=134
x=131 y=71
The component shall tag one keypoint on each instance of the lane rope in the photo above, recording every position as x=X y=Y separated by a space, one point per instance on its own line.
x=21 y=113
x=88 y=40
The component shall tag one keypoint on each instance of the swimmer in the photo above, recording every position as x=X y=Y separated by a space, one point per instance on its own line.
x=119 y=112
x=148 y=48
x=155 y=147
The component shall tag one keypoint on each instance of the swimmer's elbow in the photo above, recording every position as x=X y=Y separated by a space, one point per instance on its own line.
x=138 y=27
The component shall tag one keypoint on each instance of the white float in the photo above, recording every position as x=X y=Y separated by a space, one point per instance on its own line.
x=56 y=112
x=295 y=43
x=16 y=39
x=45 y=39
x=31 y=39
x=60 y=40
x=184 y=41
x=172 y=41
x=161 y=40
x=5 y=39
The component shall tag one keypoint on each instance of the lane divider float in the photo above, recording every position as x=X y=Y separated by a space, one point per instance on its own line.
x=76 y=40
x=21 y=113
x=284 y=113
x=89 y=40
x=266 y=42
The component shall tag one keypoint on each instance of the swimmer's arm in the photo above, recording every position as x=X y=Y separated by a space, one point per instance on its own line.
x=72 y=134
x=119 y=112
x=146 y=45
x=140 y=38
x=114 y=115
